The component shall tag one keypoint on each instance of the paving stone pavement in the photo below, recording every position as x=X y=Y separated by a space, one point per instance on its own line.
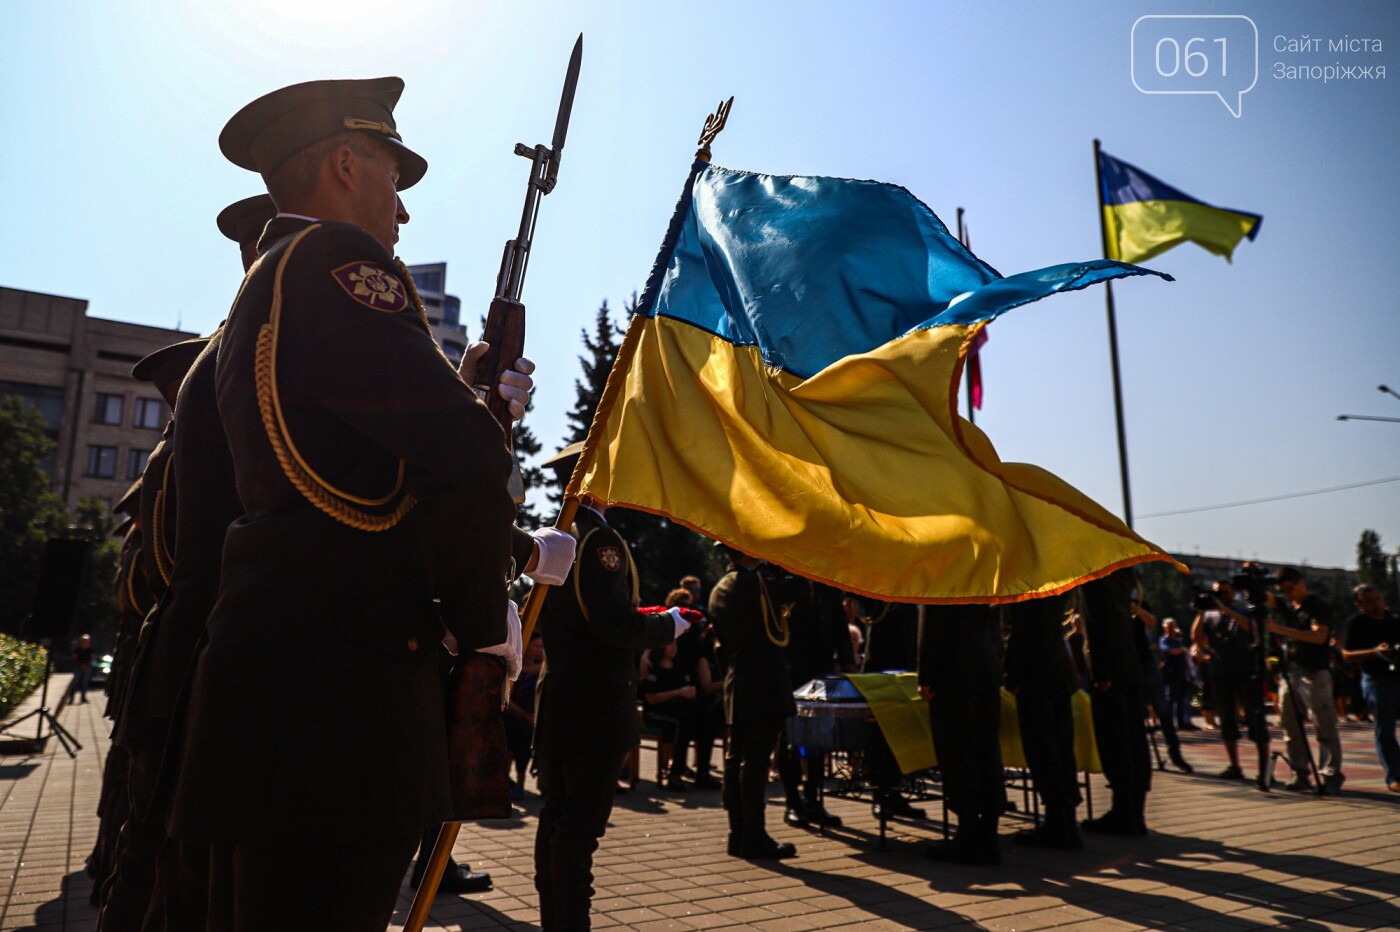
x=1221 y=856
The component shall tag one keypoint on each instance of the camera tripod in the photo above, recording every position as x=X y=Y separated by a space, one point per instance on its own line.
x=42 y=714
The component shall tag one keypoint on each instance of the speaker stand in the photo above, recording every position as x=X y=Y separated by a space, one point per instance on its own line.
x=43 y=715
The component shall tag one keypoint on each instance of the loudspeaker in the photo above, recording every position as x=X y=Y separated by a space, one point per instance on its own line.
x=60 y=584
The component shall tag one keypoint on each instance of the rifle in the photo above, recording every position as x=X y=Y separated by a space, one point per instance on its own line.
x=478 y=761
x=505 y=321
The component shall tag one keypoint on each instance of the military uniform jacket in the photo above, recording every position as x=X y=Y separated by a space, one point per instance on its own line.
x=892 y=643
x=1038 y=659
x=1109 y=645
x=959 y=648
x=818 y=638
x=757 y=682
x=202 y=472
x=372 y=481
x=592 y=633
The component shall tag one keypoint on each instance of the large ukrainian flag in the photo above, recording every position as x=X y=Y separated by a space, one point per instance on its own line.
x=1144 y=216
x=788 y=385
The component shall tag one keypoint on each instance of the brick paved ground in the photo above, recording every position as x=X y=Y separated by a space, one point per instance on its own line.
x=1220 y=856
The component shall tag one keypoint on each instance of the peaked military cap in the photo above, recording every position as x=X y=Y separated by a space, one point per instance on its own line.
x=277 y=126
x=166 y=367
x=564 y=461
x=243 y=221
x=130 y=500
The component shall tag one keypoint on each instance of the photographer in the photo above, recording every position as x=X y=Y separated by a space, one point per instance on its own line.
x=1373 y=640
x=1307 y=683
x=1229 y=638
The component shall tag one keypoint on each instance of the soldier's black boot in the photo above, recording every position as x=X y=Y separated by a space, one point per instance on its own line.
x=1058 y=832
x=766 y=848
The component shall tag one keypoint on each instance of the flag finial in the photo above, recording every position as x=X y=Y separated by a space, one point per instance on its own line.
x=714 y=123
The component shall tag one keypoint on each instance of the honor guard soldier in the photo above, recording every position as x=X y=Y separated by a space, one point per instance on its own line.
x=753 y=630
x=586 y=706
x=1117 y=696
x=960 y=676
x=200 y=471
x=1040 y=672
x=373 y=489
x=141 y=739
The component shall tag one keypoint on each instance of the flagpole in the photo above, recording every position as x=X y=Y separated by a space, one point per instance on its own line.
x=967 y=381
x=1113 y=350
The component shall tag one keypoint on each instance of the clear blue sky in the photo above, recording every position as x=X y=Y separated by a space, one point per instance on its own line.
x=1233 y=376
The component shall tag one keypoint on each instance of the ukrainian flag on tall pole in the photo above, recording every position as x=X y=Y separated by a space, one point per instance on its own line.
x=1144 y=216
x=1141 y=216
x=788 y=385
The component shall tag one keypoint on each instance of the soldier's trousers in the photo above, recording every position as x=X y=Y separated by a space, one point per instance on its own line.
x=746 y=760
x=1047 y=737
x=578 y=779
x=966 y=736
x=127 y=894
x=301 y=883
x=1122 y=740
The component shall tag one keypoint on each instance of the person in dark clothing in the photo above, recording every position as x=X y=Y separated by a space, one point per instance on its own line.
x=757 y=699
x=586 y=712
x=82 y=658
x=1176 y=672
x=1041 y=673
x=818 y=645
x=960 y=676
x=1373 y=640
x=1228 y=638
x=1118 y=699
x=892 y=644
x=668 y=702
x=1152 y=685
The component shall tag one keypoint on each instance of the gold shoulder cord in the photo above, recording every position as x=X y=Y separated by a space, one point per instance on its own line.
x=132 y=600
x=160 y=549
x=631 y=573
x=878 y=618
x=774 y=625
x=336 y=503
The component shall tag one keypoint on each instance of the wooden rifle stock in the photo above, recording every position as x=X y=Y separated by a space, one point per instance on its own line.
x=505 y=331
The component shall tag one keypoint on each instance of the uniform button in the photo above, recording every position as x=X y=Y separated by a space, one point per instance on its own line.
x=412 y=643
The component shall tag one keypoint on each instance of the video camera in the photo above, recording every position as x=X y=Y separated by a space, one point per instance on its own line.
x=1253 y=580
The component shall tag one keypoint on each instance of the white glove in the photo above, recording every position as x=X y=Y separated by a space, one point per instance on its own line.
x=515 y=382
x=556 y=555
x=512 y=648
x=681 y=624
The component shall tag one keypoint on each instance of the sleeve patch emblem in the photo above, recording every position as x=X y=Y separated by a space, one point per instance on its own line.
x=372 y=285
x=611 y=558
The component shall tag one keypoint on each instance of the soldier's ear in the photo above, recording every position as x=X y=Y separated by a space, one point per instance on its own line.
x=343 y=163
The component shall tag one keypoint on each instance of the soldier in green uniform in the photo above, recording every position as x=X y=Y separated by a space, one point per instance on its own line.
x=372 y=483
x=753 y=631
x=586 y=706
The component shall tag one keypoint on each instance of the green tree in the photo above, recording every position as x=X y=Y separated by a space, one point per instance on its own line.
x=1375 y=566
x=98 y=614
x=664 y=551
x=29 y=512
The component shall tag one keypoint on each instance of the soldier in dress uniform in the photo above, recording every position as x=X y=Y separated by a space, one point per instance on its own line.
x=374 y=510
x=1041 y=674
x=753 y=630
x=586 y=705
x=818 y=645
x=1118 y=696
x=960 y=676
x=199 y=470
x=141 y=741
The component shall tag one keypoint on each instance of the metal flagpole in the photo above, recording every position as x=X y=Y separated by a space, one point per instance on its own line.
x=1113 y=351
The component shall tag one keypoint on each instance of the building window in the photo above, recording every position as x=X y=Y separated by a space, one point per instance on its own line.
x=102 y=462
x=136 y=462
x=109 y=409
x=150 y=413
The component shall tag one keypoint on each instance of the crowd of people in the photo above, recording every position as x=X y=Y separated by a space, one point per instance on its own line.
x=325 y=537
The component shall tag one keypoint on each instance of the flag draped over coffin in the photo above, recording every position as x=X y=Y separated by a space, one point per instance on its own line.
x=788 y=385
